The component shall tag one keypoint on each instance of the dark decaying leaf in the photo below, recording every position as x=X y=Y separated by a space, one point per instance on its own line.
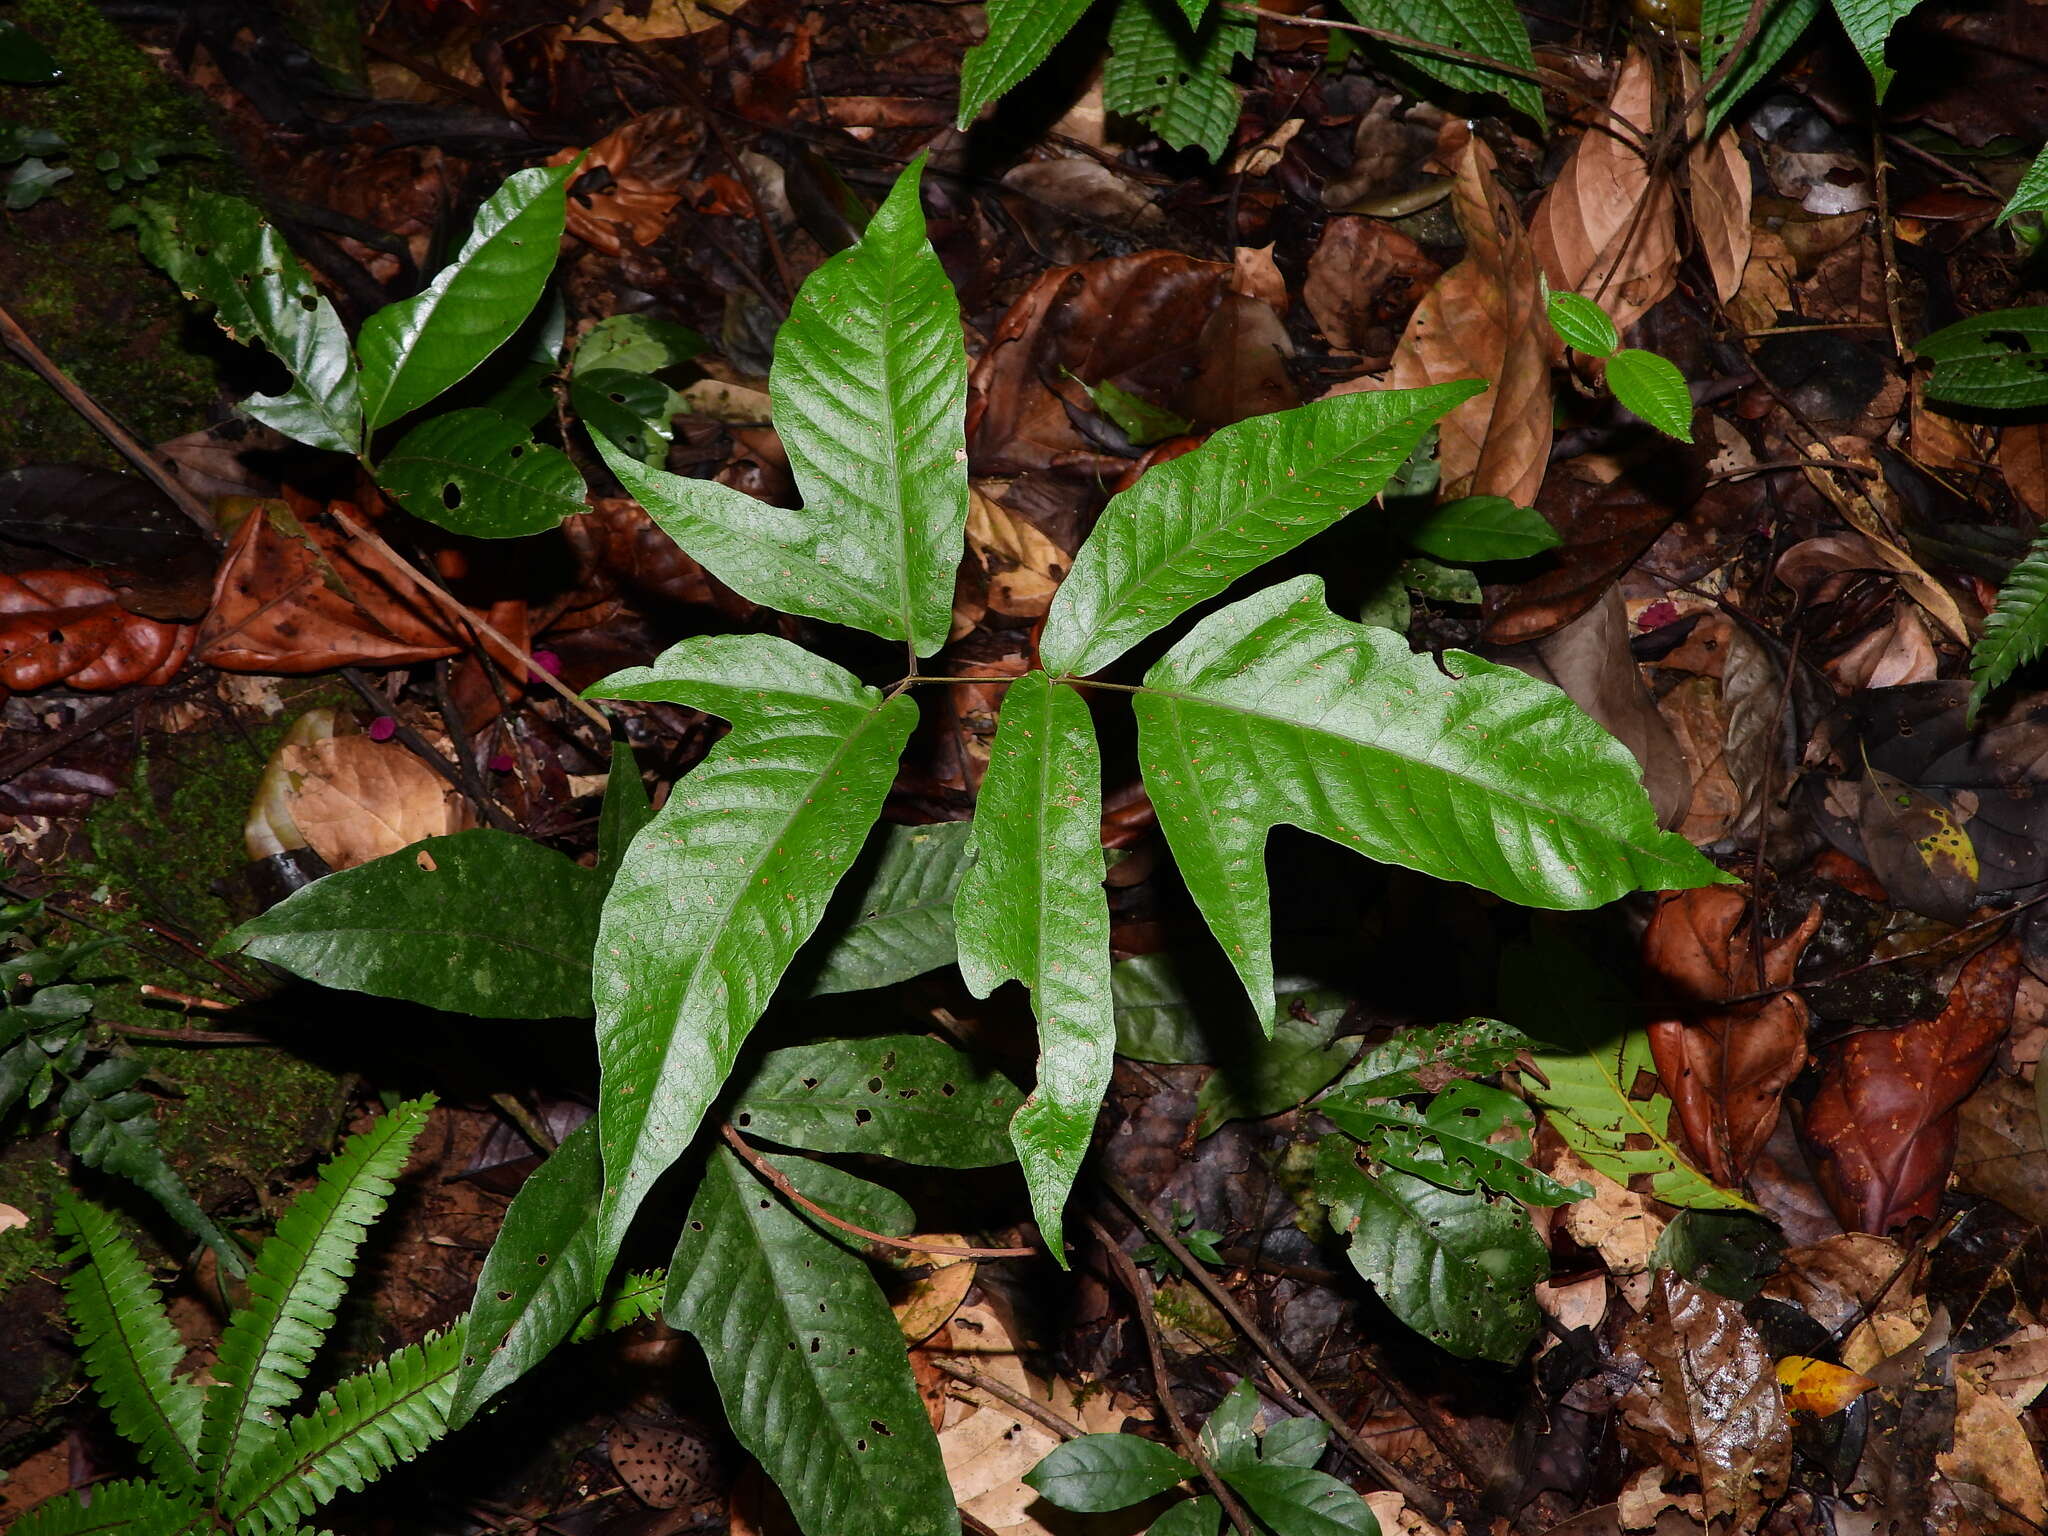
x=1883 y=1124
x=121 y=524
x=1606 y=517
x=66 y=627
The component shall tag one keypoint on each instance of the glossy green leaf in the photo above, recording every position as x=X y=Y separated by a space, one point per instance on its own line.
x=808 y=1357
x=1139 y=420
x=2031 y=195
x=634 y=344
x=1295 y=1442
x=719 y=890
x=1591 y=1061
x=903 y=1096
x=1191 y=1517
x=1229 y=1435
x=1020 y=34
x=483 y=922
x=1444 y=583
x=1156 y=1018
x=1653 y=388
x=1253 y=491
x=626 y=808
x=1032 y=909
x=417 y=348
x=1721 y=24
x=1458 y=1268
x=898 y=922
x=1483 y=528
x=219 y=249
x=1583 y=324
x=542 y=1275
x=1452 y=1142
x=1275 y=710
x=1262 y=1076
x=1093 y=1473
x=1869 y=24
x=1175 y=77
x=1419 y=1058
x=1301 y=1501
x=1490 y=28
x=474 y=472
x=1730 y=1253
x=2016 y=629
x=636 y=411
x=1996 y=361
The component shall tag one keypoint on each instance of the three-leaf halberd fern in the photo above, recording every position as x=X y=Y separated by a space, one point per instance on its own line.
x=220 y=1457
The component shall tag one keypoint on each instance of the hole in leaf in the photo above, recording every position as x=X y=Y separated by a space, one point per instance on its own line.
x=540 y=1259
x=879 y=1427
x=860 y=1445
x=948 y=1089
x=861 y=1117
x=504 y=1295
x=696 y=1226
x=451 y=495
x=874 y=1085
x=744 y=1119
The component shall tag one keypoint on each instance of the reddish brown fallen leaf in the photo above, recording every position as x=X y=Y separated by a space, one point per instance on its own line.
x=1485 y=319
x=1706 y=1400
x=1607 y=516
x=1726 y=1068
x=646 y=162
x=1364 y=280
x=1022 y=565
x=65 y=627
x=2023 y=460
x=1883 y=1124
x=1606 y=227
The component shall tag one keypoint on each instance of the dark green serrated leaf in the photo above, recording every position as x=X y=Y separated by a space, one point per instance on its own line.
x=902 y=1096
x=1093 y=1473
x=2031 y=195
x=417 y=348
x=1489 y=28
x=1721 y=24
x=1583 y=324
x=1483 y=528
x=1275 y=710
x=2016 y=629
x=1192 y=526
x=1869 y=24
x=474 y=472
x=1174 y=76
x=1424 y=1058
x=1653 y=388
x=808 y=1358
x=220 y=250
x=132 y=1509
x=899 y=922
x=1020 y=34
x=1458 y=1268
x=719 y=890
x=482 y=922
x=1032 y=909
x=1997 y=361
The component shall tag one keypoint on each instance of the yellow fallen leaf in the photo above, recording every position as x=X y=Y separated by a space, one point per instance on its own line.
x=1818 y=1387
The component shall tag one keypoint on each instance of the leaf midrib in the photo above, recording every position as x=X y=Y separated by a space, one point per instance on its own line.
x=498 y=938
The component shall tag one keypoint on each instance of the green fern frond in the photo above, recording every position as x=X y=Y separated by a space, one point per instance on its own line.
x=133 y=1509
x=2016 y=630
x=296 y=1284
x=129 y=1345
x=358 y=1432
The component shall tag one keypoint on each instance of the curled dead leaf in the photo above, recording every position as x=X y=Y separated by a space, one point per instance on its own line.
x=66 y=627
x=355 y=799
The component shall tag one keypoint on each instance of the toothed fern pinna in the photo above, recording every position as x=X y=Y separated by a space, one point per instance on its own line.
x=221 y=1457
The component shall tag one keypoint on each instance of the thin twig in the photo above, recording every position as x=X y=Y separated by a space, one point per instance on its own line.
x=1887 y=248
x=187 y=1000
x=1424 y=1502
x=1005 y=1393
x=77 y=730
x=24 y=346
x=423 y=749
x=455 y=608
x=788 y=1191
x=190 y=1036
x=1135 y=1281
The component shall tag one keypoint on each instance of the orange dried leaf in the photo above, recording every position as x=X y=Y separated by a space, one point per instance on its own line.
x=65 y=627
x=1817 y=1387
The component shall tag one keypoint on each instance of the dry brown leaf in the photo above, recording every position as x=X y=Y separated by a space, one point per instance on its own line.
x=1718 y=174
x=1698 y=718
x=1024 y=566
x=1889 y=656
x=1766 y=282
x=1993 y=1468
x=1868 y=510
x=1396 y=1518
x=1255 y=275
x=2015 y=1368
x=1364 y=278
x=1617 y=1223
x=1257 y=159
x=355 y=799
x=1484 y=319
x=66 y=627
x=664 y=19
x=1606 y=228
x=646 y=164
x=1940 y=441
x=936 y=1295
x=2023 y=460
x=2000 y=1151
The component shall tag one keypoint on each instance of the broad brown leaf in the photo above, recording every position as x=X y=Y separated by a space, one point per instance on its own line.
x=1726 y=1068
x=1364 y=280
x=1707 y=1401
x=643 y=165
x=65 y=627
x=1606 y=228
x=1883 y=1124
x=1718 y=179
x=1607 y=513
x=2023 y=460
x=355 y=799
x=1484 y=318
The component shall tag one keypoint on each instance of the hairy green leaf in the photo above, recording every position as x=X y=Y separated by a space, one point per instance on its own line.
x=2031 y=195
x=417 y=348
x=1424 y=1057
x=1032 y=909
x=1302 y=1501
x=1583 y=324
x=1458 y=1268
x=481 y=922
x=132 y=1509
x=1174 y=76
x=131 y=1350
x=299 y=1276
x=903 y=1096
x=474 y=472
x=219 y=249
x=899 y=923
x=1453 y=1142
x=808 y=1358
x=356 y=1433
x=1020 y=34
x=1275 y=710
x=1489 y=28
x=1654 y=389
x=1102 y=1472
x=719 y=890
x=1591 y=1060
x=1869 y=24
x=542 y=1274
x=1483 y=528
x=1253 y=491
x=2016 y=629
x=1721 y=24
x=1996 y=361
